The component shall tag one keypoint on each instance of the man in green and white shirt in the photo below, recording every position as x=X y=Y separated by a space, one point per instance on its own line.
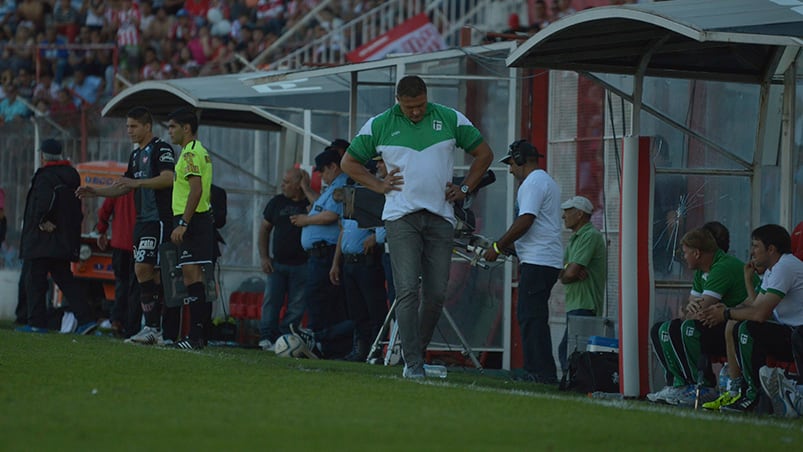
x=418 y=141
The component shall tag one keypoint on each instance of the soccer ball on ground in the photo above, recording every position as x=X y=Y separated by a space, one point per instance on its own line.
x=290 y=346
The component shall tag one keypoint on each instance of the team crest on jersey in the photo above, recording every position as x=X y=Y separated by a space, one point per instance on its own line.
x=690 y=331
x=167 y=157
x=437 y=125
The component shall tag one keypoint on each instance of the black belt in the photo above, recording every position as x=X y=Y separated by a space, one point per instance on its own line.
x=321 y=250
x=361 y=258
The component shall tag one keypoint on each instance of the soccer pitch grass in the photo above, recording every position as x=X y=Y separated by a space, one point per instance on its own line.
x=67 y=392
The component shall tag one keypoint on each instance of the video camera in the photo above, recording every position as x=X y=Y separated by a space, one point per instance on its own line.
x=365 y=207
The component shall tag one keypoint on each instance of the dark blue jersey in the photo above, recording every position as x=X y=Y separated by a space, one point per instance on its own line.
x=146 y=163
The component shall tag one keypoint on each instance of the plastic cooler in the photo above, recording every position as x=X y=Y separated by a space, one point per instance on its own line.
x=603 y=344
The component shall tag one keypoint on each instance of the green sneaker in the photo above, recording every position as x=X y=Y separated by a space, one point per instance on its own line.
x=727 y=398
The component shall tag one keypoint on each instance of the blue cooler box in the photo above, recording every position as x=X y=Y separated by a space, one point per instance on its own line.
x=602 y=344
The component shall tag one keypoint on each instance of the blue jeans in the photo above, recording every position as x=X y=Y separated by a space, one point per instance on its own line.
x=366 y=297
x=420 y=254
x=285 y=279
x=564 y=343
x=535 y=286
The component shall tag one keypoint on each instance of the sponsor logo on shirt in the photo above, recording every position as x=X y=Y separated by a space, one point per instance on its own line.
x=166 y=157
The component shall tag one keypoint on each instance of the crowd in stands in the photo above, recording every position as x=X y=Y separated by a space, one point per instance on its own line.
x=64 y=55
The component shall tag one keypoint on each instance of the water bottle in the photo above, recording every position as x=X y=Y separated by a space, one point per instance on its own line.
x=434 y=371
x=724 y=379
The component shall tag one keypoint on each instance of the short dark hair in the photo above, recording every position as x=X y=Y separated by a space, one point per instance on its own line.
x=185 y=115
x=411 y=86
x=720 y=233
x=140 y=114
x=700 y=239
x=773 y=235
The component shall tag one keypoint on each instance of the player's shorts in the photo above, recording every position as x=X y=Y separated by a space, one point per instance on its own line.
x=148 y=235
x=199 y=240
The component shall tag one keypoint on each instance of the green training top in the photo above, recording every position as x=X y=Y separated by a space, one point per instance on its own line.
x=587 y=248
x=724 y=281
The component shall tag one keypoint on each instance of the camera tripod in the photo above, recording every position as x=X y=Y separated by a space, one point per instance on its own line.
x=474 y=246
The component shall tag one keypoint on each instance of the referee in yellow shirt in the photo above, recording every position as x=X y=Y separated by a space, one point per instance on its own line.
x=194 y=231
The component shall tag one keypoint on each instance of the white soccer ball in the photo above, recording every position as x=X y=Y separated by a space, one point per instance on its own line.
x=289 y=346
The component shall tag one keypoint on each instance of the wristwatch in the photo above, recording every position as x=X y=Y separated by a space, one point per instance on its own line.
x=464 y=189
x=181 y=222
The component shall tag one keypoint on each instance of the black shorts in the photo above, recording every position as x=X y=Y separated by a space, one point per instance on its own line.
x=147 y=238
x=199 y=240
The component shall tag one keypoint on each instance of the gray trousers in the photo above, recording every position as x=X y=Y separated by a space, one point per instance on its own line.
x=420 y=253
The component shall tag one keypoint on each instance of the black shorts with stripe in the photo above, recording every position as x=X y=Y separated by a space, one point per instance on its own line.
x=199 y=240
x=148 y=235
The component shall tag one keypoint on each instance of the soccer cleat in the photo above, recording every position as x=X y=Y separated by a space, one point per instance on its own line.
x=306 y=336
x=189 y=344
x=86 y=328
x=689 y=398
x=415 y=372
x=666 y=392
x=147 y=336
x=30 y=329
x=782 y=391
x=743 y=405
x=727 y=398
x=266 y=344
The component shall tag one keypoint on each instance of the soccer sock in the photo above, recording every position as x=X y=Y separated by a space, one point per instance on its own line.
x=171 y=321
x=149 y=299
x=196 y=296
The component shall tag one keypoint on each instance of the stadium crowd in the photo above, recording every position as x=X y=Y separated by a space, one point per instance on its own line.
x=63 y=55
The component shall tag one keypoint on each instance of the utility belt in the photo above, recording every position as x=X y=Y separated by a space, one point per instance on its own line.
x=321 y=249
x=368 y=259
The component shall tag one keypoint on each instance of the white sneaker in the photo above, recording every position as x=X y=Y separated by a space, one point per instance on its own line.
x=68 y=323
x=665 y=394
x=147 y=336
x=266 y=344
x=781 y=390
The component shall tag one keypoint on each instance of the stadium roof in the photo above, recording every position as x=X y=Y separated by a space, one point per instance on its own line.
x=726 y=40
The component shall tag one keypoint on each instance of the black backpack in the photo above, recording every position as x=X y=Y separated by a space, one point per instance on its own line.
x=592 y=372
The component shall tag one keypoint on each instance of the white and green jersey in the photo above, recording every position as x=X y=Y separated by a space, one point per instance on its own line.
x=785 y=279
x=724 y=281
x=423 y=152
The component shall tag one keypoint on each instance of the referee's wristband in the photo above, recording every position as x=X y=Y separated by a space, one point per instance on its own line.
x=496 y=248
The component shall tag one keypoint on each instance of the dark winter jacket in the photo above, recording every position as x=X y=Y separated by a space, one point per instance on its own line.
x=52 y=198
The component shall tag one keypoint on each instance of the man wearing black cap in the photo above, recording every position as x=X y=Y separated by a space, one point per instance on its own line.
x=319 y=233
x=51 y=237
x=536 y=235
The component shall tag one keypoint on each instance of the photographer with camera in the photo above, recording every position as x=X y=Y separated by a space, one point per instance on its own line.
x=418 y=140
x=536 y=234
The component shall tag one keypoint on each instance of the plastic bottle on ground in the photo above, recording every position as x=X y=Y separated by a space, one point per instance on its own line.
x=434 y=371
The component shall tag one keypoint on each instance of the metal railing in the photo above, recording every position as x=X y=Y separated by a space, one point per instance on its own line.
x=449 y=16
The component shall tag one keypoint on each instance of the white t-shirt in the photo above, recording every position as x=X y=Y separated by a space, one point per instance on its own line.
x=539 y=195
x=785 y=279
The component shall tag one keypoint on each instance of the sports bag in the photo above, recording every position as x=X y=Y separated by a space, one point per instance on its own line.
x=592 y=372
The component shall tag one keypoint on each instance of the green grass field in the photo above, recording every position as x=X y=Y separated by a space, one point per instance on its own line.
x=66 y=392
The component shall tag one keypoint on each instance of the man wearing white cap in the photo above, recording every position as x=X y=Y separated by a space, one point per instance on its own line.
x=583 y=271
x=536 y=234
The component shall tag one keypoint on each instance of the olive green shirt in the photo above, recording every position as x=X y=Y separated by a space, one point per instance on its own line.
x=587 y=248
